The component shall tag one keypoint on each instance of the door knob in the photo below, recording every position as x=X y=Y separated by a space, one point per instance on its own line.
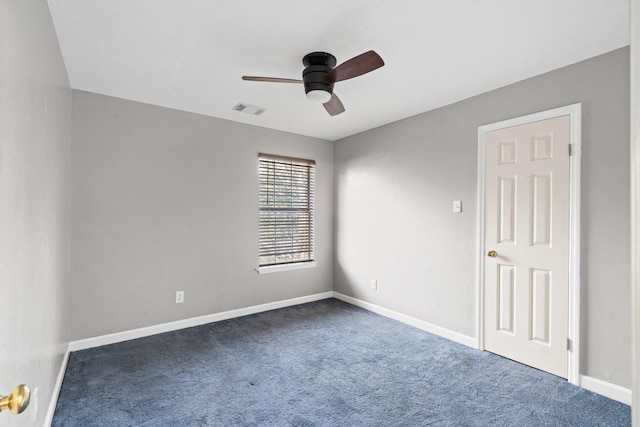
x=17 y=401
x=492 y=254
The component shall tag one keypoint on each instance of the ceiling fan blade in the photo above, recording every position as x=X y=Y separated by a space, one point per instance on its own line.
x=334 y=105
x=270 y=79
x=355 y=67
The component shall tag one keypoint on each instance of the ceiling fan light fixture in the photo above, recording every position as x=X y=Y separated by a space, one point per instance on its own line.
x=319 y=95
x=321 y=73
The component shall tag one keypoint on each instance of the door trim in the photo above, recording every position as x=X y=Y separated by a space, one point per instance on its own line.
x=635 y=212
x=575 y=113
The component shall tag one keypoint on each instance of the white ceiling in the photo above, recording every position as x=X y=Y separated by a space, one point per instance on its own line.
x=190 y=54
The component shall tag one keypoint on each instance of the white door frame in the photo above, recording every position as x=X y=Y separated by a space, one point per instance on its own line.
x=635 y=212
x=575 y=113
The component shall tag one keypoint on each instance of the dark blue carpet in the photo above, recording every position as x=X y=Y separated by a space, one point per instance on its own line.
x=321 y=364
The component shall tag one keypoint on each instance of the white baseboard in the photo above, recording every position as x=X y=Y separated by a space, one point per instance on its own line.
x=420 y=324
x=194 y=321
x=606 y=389
x=603 y=388
x=56 y=389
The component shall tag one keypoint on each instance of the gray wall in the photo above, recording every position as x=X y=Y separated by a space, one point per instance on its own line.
x=394 y=188
x=35 y=126
x=165 y=200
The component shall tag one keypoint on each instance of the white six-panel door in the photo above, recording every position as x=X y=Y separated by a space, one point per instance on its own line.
x=526 y=289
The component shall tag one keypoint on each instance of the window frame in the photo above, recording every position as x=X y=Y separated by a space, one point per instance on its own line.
x=300 y=206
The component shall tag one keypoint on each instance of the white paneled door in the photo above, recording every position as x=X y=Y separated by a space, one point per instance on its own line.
x=526 y=291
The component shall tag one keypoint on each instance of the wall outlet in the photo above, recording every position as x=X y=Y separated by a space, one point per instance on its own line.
x=374 y=284
x=179 y=297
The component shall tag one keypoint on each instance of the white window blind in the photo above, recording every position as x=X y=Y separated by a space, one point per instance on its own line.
x=286 y=210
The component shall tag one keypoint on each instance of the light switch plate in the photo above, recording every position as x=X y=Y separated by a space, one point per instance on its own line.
x=179 y=297
x=457 y=206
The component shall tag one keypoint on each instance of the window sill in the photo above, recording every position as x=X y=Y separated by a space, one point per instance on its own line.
x=286 y=267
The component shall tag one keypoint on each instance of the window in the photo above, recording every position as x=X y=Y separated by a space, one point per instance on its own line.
x=286 y=210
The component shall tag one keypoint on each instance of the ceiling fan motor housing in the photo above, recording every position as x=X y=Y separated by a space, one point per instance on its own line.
x=318 y=64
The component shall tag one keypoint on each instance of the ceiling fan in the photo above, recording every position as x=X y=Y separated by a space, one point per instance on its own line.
x=319 y=76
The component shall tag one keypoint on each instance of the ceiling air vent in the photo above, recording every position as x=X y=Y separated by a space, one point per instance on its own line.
x=249 y=109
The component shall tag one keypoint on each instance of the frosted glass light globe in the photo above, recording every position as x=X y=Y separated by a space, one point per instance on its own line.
x=318 y=96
